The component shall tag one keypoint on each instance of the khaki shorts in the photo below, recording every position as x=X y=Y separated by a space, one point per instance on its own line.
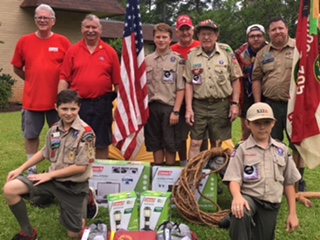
x=70 y=195
x=211 y=115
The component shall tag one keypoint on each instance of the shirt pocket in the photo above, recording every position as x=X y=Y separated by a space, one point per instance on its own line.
x=169 y=74
x=70 y=154
x=149 y=73
x=279 y=167
x=251 y=170
x=222 y=75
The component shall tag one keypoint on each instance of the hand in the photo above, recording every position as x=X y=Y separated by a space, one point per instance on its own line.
x=14 y=174
x=292 y=223
x=40 y=178
x=238 y=205
x=174 y=119
x=190 y=117
x=234 y=112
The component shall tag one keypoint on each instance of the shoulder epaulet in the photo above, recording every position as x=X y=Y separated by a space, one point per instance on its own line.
x=225 y=47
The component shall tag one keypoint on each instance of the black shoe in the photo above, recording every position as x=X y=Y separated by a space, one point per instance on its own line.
x=225 y=223
x=302 y=186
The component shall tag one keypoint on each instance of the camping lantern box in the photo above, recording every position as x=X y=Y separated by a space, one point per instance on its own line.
x=154 y=209
x=123 y=211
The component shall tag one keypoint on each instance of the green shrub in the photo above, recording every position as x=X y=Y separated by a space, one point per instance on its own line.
x=6 y=84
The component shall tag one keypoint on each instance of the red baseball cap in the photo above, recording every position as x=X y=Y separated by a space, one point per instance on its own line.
x=184 y=20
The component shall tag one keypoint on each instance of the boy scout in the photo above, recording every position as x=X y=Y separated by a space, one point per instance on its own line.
x=69 y=148
x=212 y=82
x=166 y=93
x=260 y=170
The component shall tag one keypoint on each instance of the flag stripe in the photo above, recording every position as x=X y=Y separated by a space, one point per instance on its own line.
x=132 y=109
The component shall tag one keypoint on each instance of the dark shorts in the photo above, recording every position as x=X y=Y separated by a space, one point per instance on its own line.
x=33 y=122
x=279 y=109
x=158 y=133
x=211 y=115
x=97 y=113
x=70 y=195
x=247 y=102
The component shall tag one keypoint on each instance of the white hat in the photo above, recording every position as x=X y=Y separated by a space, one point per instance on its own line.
x=258 y=111
x=255 y=27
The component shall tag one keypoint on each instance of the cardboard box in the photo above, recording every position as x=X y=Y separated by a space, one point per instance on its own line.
x=123 y=211
x=163 y=179
x=113 y=176
x=154 y=209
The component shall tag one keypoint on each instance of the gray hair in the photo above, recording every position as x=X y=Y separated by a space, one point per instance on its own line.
x=46 y=8
x=91 y=17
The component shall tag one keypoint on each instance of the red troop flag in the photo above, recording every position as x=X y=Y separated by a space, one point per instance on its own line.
x=132 y=102
x=303 y=122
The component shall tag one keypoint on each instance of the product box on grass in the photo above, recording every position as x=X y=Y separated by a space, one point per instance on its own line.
x=164 y=177
x=123 y=211
x=114 y=176
x=155 y=209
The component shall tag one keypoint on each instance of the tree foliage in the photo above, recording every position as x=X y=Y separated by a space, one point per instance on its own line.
x=232 y=16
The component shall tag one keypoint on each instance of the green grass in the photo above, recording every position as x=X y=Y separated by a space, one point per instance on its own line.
x=46 y=220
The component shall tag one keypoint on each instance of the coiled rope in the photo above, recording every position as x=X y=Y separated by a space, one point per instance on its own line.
x=184 y=189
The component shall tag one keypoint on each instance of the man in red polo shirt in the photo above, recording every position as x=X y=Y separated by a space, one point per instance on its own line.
x=91 y=68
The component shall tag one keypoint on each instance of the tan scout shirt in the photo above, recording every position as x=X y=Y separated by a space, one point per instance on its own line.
x=262 y=173
x=212 y=76
x=273 y=67
x=76 y=146
x=164 y=76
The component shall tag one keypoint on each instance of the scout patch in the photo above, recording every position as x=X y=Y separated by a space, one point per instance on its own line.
x=196 y=71
x=173 y=59
x=87 y=137
x=280 y=151
x=267 y=58
x=75 y=134
x=233 y=153
x=168 y=76
x=71 y=156
x=251 y=173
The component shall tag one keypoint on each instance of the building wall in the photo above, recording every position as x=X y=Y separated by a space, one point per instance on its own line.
x=16 y=22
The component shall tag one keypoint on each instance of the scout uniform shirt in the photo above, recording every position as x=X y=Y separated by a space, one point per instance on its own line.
x=273 y=67
x=76 y=146
x=212 y=76
x=262 y=173
x=164 y=76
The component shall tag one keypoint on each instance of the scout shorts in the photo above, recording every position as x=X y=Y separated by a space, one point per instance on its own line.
x=70 y=195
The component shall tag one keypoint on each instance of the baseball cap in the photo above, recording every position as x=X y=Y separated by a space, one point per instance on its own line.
x=255 y=27
x=184 y=20
x=207 y=24
x=259 y=111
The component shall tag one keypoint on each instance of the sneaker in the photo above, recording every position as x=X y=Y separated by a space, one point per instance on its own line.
x=22 y=236
x=302 y=186
x=32 y=171
x=92 y=206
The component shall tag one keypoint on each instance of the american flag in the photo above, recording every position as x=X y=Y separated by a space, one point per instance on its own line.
x=303 y=122
x=132 y=109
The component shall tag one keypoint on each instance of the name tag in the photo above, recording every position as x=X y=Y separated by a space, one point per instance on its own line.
x=53 y=49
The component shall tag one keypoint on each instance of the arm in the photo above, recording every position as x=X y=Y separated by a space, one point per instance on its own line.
x=63 y=84
x=188 y=99
x=238 y=201
x=234 y=110
x=256 y=90
x=61 y=173
x=38 y=157
x=20 y=72
x=292 y=220
x=174 y=119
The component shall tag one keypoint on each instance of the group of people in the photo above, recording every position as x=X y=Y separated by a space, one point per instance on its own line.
x=194 y=86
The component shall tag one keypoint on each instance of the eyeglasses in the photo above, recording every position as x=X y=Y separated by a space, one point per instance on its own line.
x=258 y=36
x=46 y=19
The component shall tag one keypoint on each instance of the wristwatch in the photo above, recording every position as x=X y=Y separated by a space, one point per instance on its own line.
x=176 y=113
x=235 y=103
